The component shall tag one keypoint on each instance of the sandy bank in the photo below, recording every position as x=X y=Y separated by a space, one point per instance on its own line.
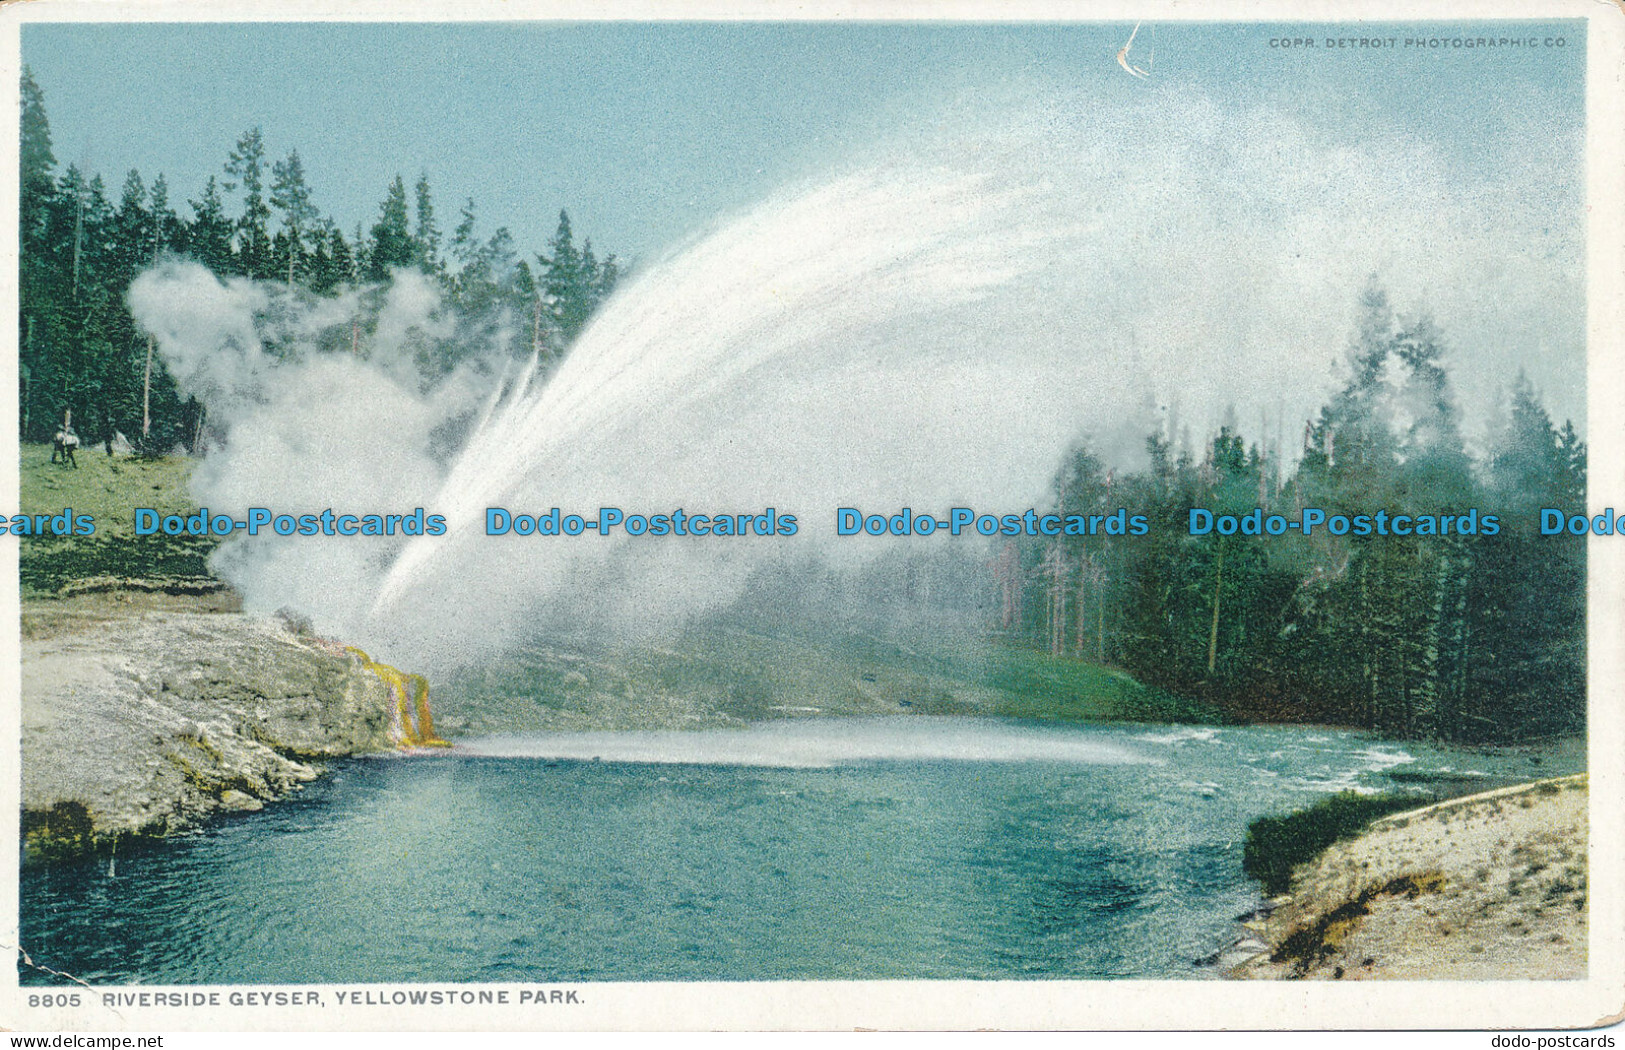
x=148 y=722
x=1487 y=887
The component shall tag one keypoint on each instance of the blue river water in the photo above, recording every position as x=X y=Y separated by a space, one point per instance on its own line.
x=835 y=849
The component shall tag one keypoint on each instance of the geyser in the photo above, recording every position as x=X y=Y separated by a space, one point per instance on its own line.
x=928 y=329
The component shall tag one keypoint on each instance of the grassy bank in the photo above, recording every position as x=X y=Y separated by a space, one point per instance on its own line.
x=714 y=676
x=109 y=489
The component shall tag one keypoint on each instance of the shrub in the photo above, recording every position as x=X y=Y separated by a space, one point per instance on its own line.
x=1276 y=845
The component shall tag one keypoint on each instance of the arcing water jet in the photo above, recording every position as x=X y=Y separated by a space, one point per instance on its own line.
x=931 y=329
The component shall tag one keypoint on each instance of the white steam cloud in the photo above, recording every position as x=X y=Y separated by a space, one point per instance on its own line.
x=307 y=427
x=929 y=330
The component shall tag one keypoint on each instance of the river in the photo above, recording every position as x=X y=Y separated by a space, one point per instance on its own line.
x=911 y=847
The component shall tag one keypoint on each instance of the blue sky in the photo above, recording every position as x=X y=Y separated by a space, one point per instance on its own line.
x=648 y=133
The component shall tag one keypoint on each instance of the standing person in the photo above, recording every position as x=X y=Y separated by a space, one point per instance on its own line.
x=66 y=442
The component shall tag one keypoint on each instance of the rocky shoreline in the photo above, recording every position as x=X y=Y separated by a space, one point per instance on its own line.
x=1492 y=886
x=143 y=723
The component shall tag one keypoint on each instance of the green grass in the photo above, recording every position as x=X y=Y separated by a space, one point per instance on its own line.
x=718 y=674
x=934 y=675
x=109 y=489
x=1027 y=683
x=1276 y=845
x=1037 y=685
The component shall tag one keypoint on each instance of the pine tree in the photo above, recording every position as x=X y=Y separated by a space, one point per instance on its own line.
x=209 y=236
x=1436 y=478
x=1080 y=487
x=39 y=268
x=291 y=195
x=1353 y=443
x=246 y=166
x=37 y=182
x=323 y=274
x=345 y=269
x=609 y=275
x=1527 y=605
x=569 y=290
x=360 y=251
x=464 y=245
x=168 y=234
x=133 y=231
x=71 y=193
x=97 y=240
x=1526 y=465
x=588 y=275
x=1437 y=470
x=501 y=263
x=427 y=233
x=392 y=244
x=1571 y=456
x=472 y=284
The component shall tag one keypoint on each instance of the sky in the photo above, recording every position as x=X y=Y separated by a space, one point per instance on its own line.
x=648 y=132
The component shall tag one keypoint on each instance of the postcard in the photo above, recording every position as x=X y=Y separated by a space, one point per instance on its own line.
x=900 y=516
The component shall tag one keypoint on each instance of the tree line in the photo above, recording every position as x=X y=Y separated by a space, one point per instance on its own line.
x=80 y=350
x=1451 y=637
